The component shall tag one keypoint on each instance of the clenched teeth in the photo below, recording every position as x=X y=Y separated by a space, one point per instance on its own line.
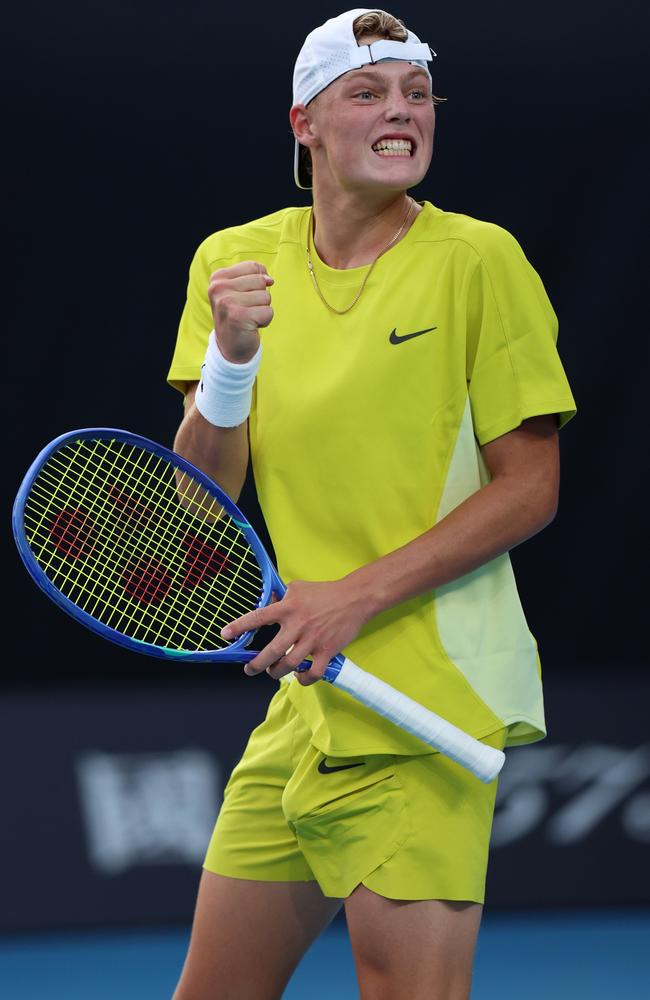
x=393 y=147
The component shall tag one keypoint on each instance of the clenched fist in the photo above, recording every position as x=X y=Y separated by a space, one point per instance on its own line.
x=241 y=304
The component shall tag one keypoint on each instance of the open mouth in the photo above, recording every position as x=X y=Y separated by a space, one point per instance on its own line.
x=403 y=148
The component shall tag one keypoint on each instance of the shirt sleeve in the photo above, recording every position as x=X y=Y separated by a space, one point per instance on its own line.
x=195 y=324
x=513 y=367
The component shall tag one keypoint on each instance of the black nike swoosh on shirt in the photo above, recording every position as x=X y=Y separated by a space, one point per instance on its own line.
x=396 y=339
x=325 y=769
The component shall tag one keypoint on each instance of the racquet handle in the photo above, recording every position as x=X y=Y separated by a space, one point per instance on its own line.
x=483 y=761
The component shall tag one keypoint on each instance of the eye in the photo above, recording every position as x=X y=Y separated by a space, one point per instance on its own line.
x=364 y=95
x=418 y=95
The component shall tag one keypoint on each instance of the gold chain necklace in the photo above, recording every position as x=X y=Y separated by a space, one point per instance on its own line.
x=341 y=312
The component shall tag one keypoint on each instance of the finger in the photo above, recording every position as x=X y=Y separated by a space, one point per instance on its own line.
x=250 y=282
x=250 y=622
x=239 y=290
x=236 y=305
x=272 y=653
x=261 y=315
x=315 y=672
x=256 y=297
x=293 y=657
x=243 y=267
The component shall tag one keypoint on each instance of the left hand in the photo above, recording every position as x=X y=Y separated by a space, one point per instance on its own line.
x=315 y=619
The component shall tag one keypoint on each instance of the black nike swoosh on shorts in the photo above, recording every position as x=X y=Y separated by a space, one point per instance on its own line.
x=325 y=769
x=396 y=339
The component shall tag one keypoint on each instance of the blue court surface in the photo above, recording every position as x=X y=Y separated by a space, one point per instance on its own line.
x=581 y=955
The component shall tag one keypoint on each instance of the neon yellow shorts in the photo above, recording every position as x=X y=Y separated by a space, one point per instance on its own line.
x=405 y=827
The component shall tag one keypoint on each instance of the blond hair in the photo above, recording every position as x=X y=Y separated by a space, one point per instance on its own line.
x=375 y=23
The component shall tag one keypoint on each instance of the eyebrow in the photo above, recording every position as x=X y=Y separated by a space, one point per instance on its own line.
x=358 y=74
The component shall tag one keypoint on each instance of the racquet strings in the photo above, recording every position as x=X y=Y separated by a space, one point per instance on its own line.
x=140 y=545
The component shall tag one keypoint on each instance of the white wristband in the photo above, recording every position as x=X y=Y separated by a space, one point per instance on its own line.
x=224 y=393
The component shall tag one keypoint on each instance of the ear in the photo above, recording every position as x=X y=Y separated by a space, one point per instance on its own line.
x=303 y=126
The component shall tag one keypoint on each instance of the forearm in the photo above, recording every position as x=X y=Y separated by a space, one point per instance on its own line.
x=220 y=452
x=214 y=435
x=488 y=523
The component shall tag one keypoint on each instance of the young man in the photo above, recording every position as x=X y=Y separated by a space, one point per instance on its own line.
x=402 y=416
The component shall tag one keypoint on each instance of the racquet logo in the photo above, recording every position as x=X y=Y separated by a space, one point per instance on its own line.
x=73 y=534
x=203 y=561
x=142 y=551
x=131 y=508
x=150 y=581
x=147 y=581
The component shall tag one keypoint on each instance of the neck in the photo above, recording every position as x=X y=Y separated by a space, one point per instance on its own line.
x=350 y=230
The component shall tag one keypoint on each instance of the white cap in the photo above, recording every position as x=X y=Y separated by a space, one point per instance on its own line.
x=332 y=50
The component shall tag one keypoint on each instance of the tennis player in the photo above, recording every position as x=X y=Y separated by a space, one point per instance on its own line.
x=392 y=368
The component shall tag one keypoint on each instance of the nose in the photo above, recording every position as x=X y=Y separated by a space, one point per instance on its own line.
x=397 y=107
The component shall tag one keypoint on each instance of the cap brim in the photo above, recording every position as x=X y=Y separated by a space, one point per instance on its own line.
x=301 y=176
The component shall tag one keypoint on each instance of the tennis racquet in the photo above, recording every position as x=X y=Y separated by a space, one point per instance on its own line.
x=143 y=548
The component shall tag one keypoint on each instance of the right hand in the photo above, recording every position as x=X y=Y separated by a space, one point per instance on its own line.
x=241 y=304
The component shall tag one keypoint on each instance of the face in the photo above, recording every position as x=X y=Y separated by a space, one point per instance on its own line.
x=371 y=128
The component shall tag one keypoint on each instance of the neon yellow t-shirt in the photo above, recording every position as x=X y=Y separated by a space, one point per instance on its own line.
x=365 y=431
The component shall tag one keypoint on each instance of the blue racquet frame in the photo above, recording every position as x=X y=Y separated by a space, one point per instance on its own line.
x=233 y=653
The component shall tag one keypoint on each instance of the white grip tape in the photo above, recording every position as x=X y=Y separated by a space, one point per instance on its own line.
x=483 y=761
